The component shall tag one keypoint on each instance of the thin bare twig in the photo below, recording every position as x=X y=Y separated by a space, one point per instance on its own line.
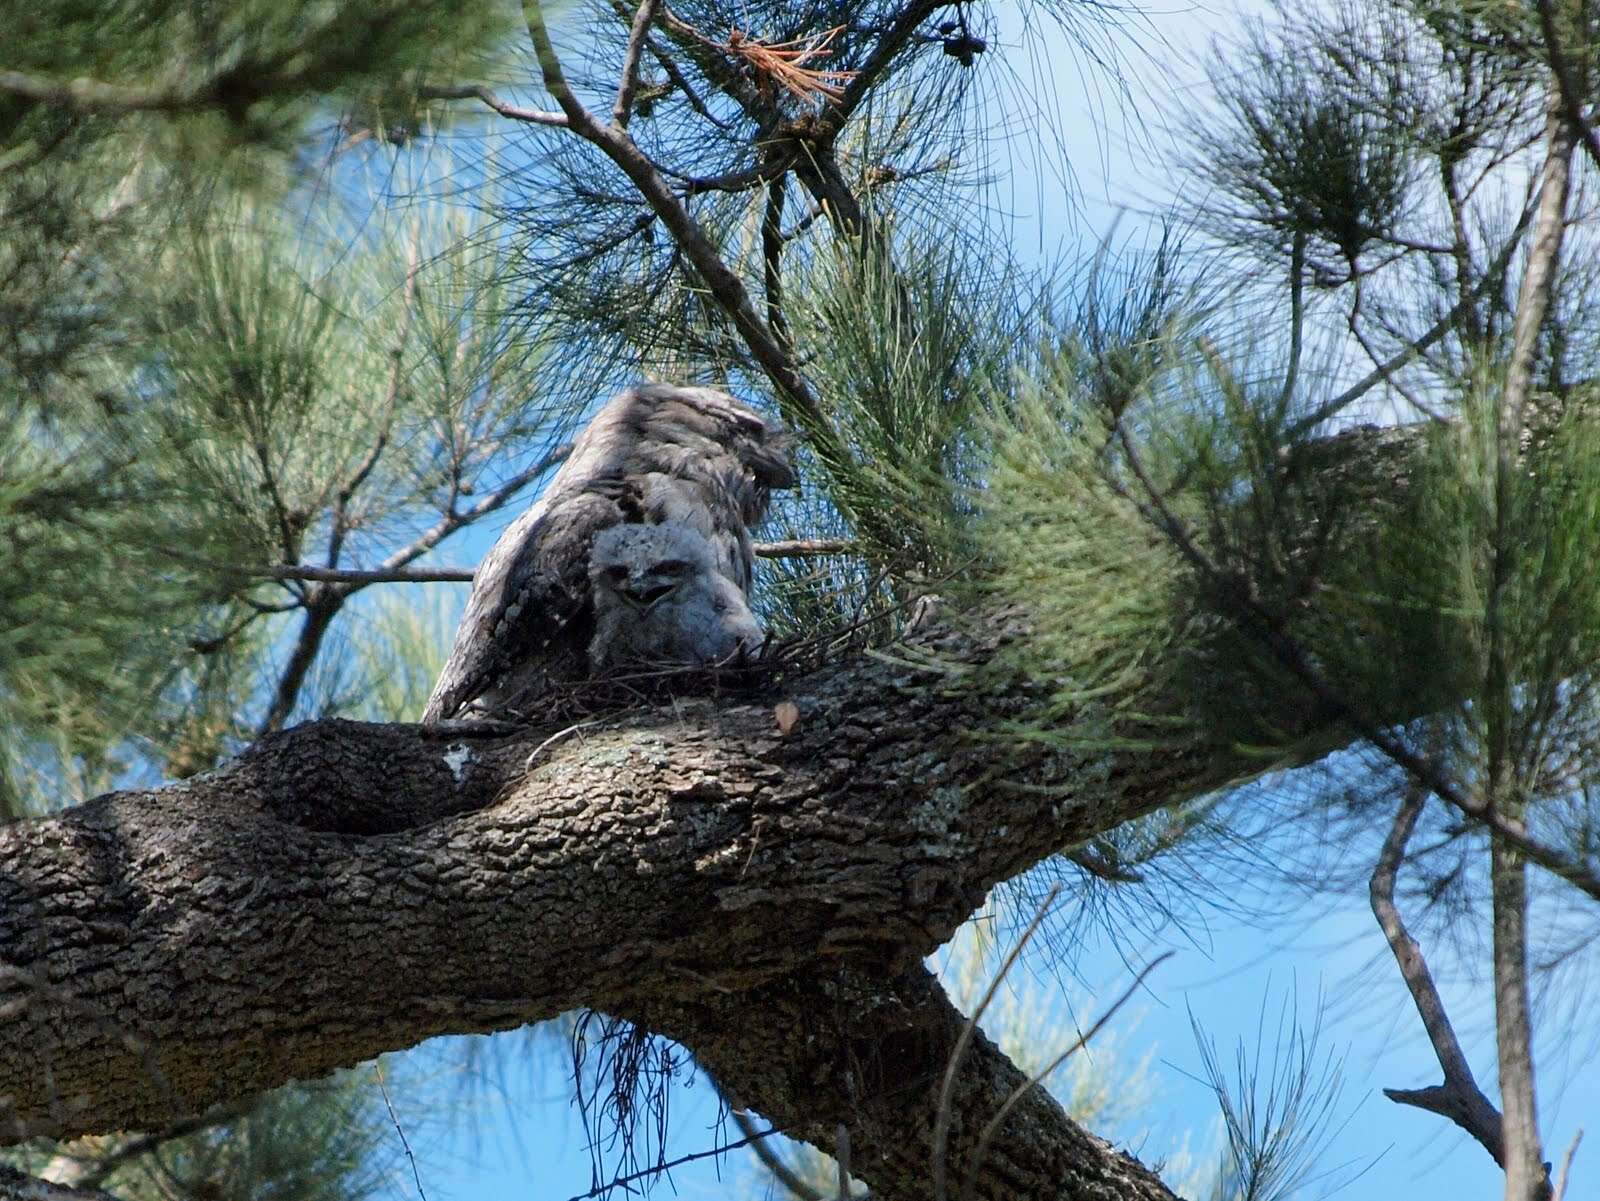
x=774 y=1162
x=1381 y=373
x=1566 y=1167
x=377 y=1070
x=340 y=521
x=661 y=1168
x=323 y=600
x=677 y=79
x=453 y=520
x=993 y=1126
x=351 y=575
x=477 y=91
x=947 y=1087
x=798 y=548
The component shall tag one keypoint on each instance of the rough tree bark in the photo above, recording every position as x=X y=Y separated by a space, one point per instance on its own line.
x=766 y=898
x=345 y=889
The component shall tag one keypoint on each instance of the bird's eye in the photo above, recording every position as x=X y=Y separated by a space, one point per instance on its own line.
x=673 y=567
x=617 y=575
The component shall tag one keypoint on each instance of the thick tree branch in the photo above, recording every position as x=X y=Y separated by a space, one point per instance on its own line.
x=765 y=897
x=868 y=1051
x=345 y=889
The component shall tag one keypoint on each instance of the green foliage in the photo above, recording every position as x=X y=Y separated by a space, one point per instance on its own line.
x=203 y=374
x=304 y=1142
x=1121 y=400
x=1478 y=564
x=905 y=340
x=96 y=614
x=1301 y=152
x=1102 y=590
x=244 y=72
x=1278 y=1117
x=184 y=390
x=262 y=395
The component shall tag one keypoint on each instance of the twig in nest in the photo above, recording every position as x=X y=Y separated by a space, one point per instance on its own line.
x=782 y=63
x=533 y=756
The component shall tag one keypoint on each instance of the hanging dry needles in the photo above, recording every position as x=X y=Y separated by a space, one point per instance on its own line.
x=782 y=64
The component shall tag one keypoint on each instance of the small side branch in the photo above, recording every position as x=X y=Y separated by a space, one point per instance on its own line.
x=1567 y=85
x=781 y=1171
x=772 y=259
x=1435 y=333
x=1566 y=1167
x=1538 y=280
x=476 y=91
x=803 y=548
x=341 y=521
x=1459 y=1098
x=718 y=278
x=623 y=109
x=454 y=520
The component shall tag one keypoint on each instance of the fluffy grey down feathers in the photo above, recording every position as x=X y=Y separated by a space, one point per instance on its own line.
x=639 y=550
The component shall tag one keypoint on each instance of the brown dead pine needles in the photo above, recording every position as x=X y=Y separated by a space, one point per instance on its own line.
x=782 y=64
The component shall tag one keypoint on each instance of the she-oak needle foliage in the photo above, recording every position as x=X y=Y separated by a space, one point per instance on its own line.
x=197 y=384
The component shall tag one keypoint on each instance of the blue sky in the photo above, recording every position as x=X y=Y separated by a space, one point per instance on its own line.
x=514 y=1134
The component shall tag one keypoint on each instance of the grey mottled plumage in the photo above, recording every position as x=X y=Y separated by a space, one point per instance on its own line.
x=692 y=458
x=659 y=597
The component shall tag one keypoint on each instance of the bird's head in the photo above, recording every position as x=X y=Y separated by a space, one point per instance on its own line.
x=660 y=597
